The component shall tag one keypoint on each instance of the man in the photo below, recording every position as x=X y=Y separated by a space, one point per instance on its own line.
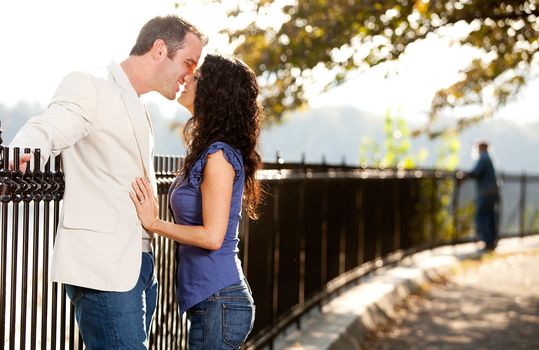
x=487 y=197
x=97 y=122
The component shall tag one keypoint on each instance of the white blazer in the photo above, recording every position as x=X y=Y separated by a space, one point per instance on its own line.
x=104 y=133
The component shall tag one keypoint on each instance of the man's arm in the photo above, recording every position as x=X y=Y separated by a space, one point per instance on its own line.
x=479 y=168
x=68 y=119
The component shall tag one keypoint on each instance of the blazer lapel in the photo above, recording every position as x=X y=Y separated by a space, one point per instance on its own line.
x=136 y=112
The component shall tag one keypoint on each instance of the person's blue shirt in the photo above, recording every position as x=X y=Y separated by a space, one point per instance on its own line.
x=485 y=177
x=201 y=273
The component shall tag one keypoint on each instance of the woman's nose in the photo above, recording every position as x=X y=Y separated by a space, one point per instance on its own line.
x=188 y=78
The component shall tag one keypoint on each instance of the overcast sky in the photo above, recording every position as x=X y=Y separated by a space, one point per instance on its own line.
x=44 y=40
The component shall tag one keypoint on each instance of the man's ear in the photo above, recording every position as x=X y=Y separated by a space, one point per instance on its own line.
x=159 y=49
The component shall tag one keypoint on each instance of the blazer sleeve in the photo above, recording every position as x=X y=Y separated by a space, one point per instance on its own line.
x=68 y=118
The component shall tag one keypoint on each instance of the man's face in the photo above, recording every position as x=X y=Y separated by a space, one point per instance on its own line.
x=172 y=71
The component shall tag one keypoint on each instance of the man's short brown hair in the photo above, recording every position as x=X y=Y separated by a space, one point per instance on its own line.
x=171 y=29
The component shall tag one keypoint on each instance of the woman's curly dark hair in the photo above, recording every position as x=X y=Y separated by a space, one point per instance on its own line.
x=226 y=109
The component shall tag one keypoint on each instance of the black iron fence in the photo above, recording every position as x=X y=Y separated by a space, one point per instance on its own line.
x=322 y=227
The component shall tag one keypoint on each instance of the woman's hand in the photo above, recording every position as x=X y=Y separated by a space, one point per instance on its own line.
x=145 y=203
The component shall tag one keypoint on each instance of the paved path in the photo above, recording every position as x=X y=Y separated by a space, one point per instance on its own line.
x=490 y=303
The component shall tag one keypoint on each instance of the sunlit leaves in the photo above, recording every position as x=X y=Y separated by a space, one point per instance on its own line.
x=345 y=35
x=396 y=150
x=422 y=6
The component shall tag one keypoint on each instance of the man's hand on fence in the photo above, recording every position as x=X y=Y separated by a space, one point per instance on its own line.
x=22 y=162
x=460 y=176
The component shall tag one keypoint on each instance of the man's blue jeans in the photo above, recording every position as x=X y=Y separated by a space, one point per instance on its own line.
x=224 y=320
x=485 y=222
x=117 y=320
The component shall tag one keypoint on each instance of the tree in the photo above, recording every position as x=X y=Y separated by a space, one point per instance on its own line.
x=346 y=35
x=396 y=150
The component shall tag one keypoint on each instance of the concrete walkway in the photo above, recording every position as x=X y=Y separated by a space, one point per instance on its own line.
x=491 y=303
x=446 y=298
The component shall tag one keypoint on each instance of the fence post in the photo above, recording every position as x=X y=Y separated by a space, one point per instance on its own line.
x=455 y=204
x=4 y=201
x=522 y=205
x=324 y=240
x=302 y=247
x=276 y=252
x=360 y=218
x=433 y=209
x=1 y=147
x=397 y=229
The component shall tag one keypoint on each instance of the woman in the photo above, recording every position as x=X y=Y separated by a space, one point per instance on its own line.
x=206 y=202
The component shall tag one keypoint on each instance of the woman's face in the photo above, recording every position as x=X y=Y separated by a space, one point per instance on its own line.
x=187 y=96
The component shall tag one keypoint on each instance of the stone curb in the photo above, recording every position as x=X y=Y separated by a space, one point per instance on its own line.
x=345 y=321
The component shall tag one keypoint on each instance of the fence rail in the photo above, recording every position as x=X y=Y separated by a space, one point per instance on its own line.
x=322 y=227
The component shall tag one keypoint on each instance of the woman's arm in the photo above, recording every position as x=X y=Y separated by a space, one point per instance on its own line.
x=216 y=189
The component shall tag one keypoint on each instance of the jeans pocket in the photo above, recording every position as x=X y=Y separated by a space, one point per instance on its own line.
x=238 y=320
x=74 y=293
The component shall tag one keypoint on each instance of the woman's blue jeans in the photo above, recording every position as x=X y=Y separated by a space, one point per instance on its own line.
x=117 y=320
x=224 y=320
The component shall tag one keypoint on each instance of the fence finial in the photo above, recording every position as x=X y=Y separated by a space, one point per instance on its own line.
x=279 y=157
x=1 y=148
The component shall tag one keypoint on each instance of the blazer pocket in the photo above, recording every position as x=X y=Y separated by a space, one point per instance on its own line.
x=93 y=217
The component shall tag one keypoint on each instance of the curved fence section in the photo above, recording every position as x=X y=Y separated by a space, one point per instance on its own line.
x=322 y=227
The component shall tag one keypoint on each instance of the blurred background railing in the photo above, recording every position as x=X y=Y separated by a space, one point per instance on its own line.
x=322 y=227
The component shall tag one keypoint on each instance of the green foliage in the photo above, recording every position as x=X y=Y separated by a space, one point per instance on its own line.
x=436 y=213
x=443 y=218
x=531 y=218
x=448 y=152
x=396 y=150
x=441 y=192
x=465 y=216
x=397 y=143
x=345 y=35
x=369 y=153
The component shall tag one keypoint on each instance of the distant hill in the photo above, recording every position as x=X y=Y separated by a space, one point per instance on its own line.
x=167 y=138
x=336 y=133
x=333 y=133
x=14 y=118
x=514 y=146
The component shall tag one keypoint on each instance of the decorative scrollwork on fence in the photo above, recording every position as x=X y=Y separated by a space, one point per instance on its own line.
x=32 y=185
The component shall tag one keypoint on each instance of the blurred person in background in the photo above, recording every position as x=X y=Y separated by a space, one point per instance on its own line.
x=487 y=197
